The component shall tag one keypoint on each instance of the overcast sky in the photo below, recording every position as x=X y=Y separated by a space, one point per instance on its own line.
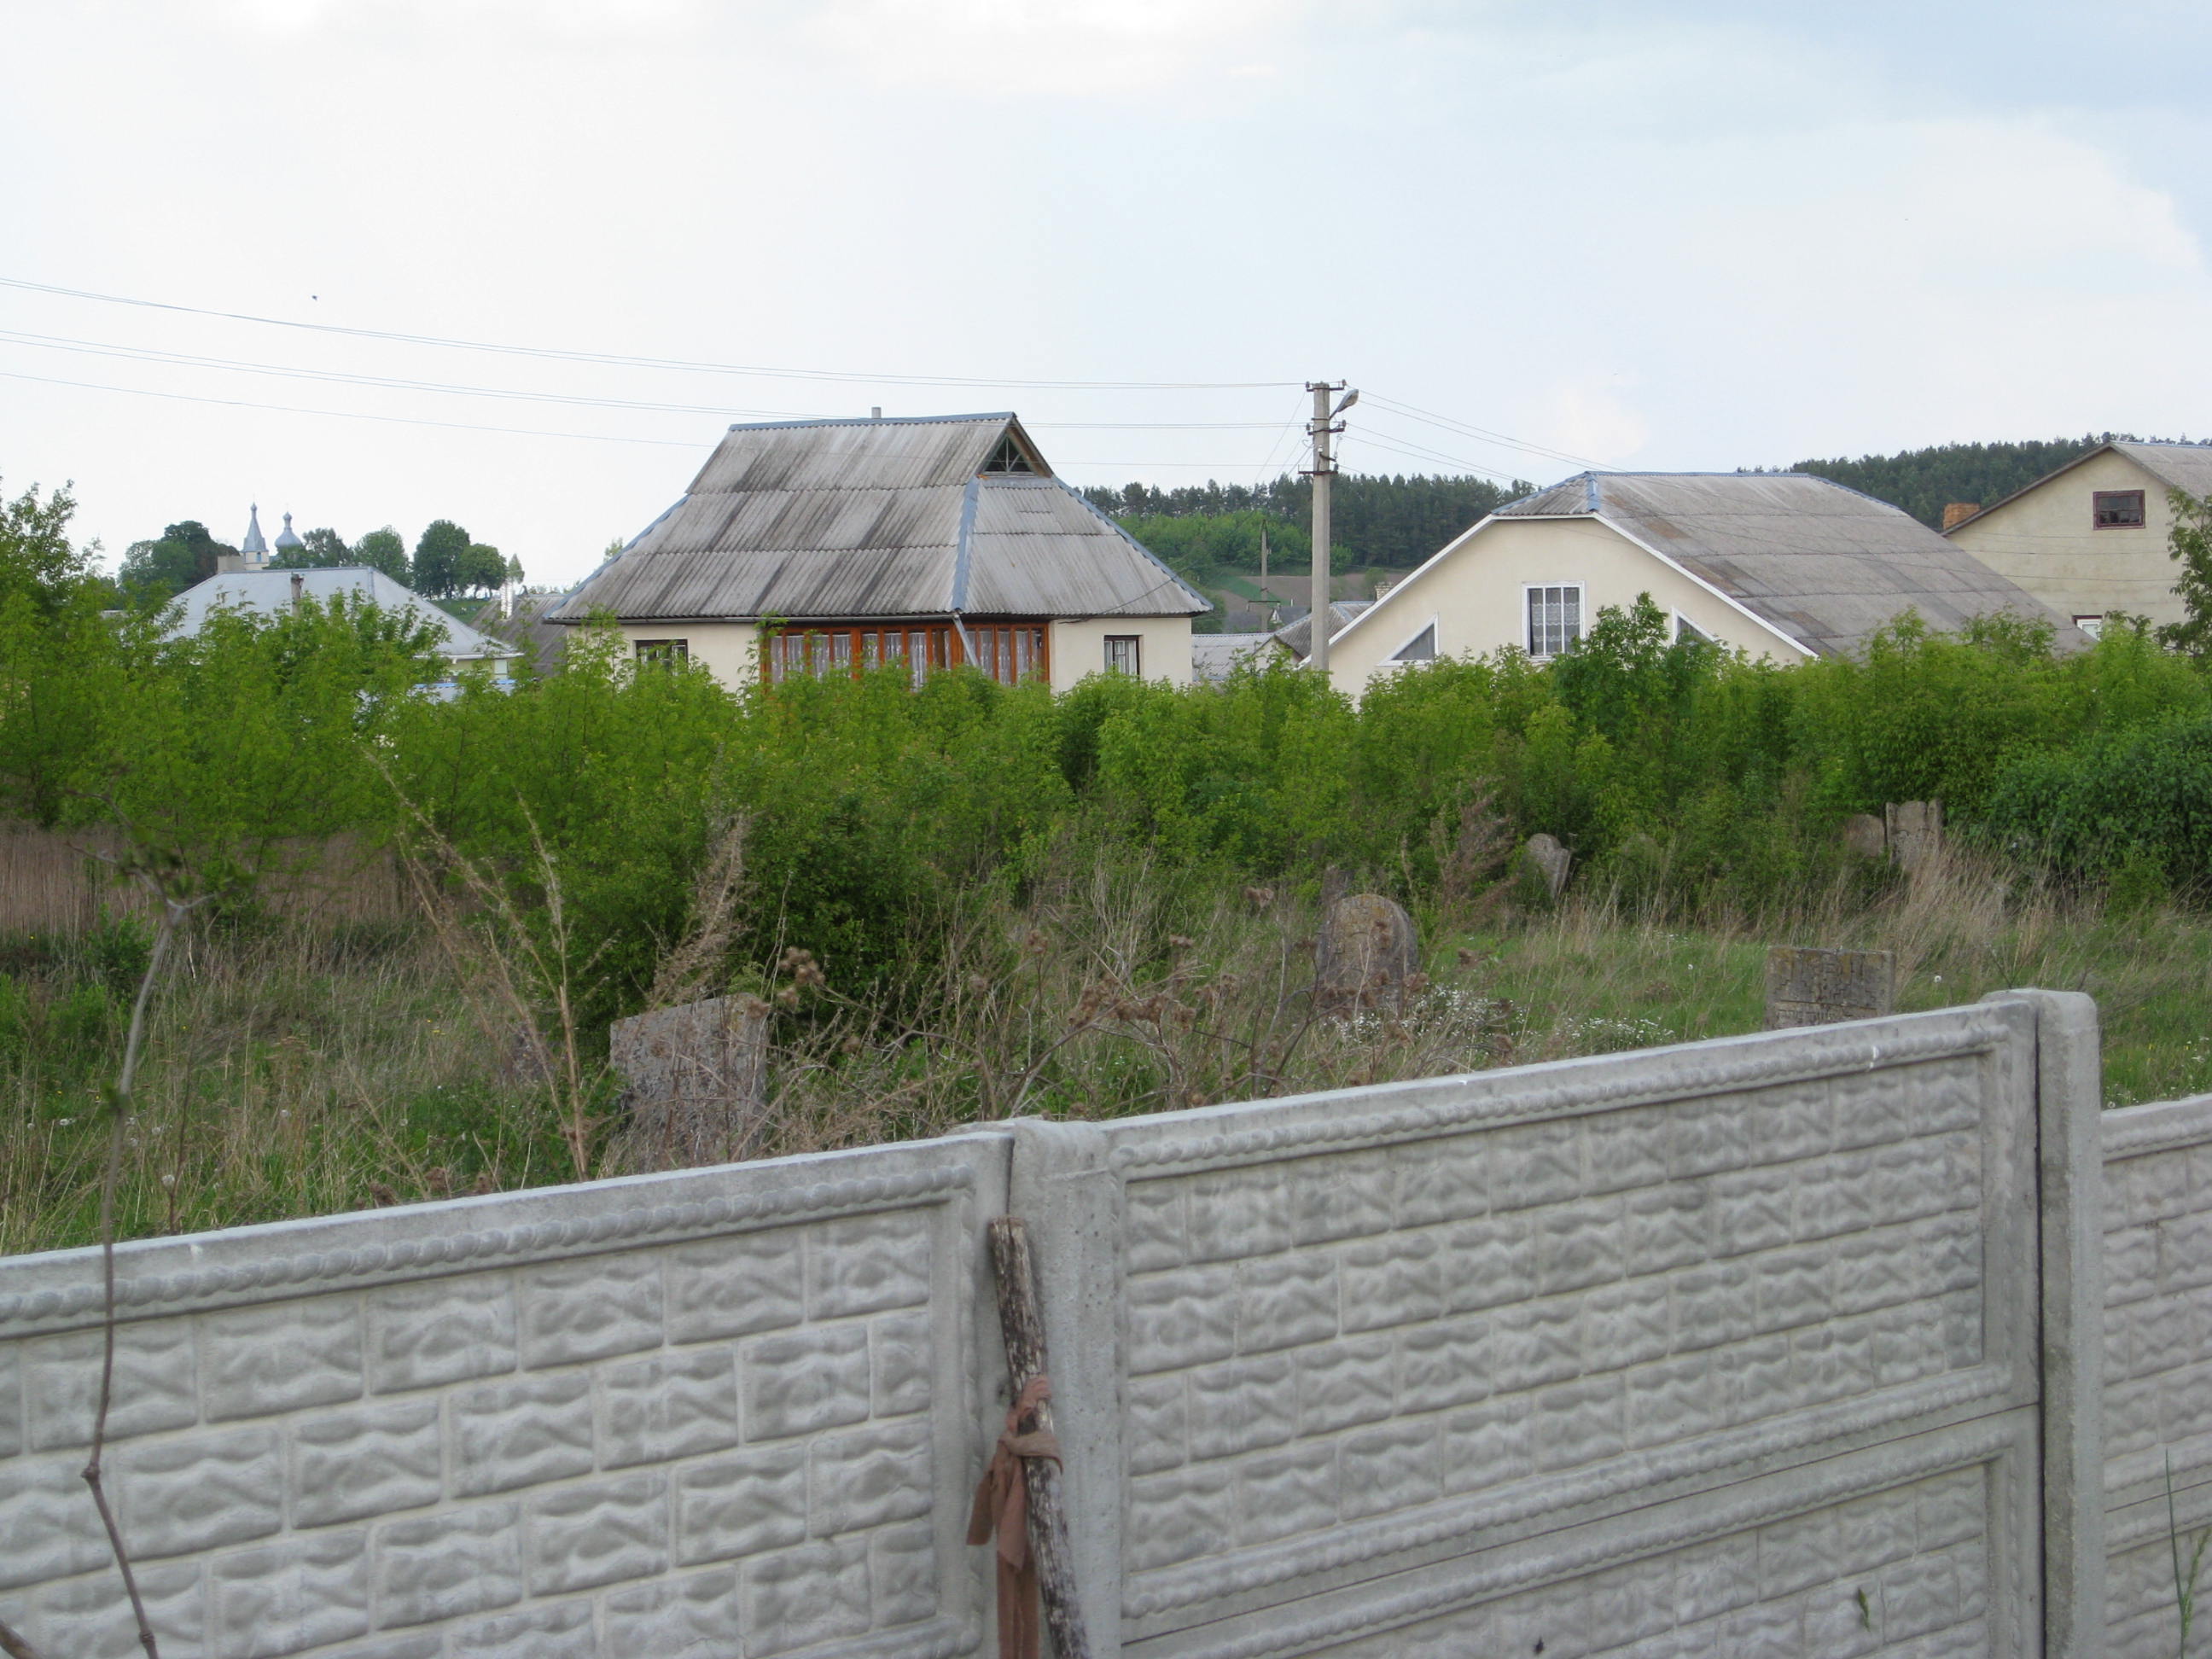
x=1654 y=235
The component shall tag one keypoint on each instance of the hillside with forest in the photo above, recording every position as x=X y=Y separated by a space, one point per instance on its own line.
x=1378 y=520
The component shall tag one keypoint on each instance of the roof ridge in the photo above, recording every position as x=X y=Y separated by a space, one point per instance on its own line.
x=873 y=420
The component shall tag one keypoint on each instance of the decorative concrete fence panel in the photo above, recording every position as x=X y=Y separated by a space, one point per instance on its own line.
x=1779 y=1344
x=731 y=1412
x=1731 y=1348
x=2158 y=1362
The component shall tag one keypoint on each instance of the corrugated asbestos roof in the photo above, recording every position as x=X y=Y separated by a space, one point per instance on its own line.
x=820 y=521
x=1297 y=634
x=1217 y=656
x=270 y=591
x=1823 y=564
x=2176 y=465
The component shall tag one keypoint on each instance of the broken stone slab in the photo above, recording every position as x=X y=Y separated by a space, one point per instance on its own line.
x=1552 y=860
x=696 y=1081
x=1366 y=952
x=1811 y=985
x=1915 y=832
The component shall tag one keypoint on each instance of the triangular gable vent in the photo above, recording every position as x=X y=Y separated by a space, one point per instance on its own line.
x=1422 y=648
x=1011 y=457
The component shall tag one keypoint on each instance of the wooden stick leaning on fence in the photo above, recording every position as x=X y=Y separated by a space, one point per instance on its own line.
x=1019 y=1499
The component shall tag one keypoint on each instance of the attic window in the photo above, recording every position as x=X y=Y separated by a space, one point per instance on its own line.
x=1009 y=456
x=2119 y=509
x=1422 y=648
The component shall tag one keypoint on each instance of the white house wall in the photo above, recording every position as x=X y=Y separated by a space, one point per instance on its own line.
x=2047 y=540
x=1475 y=591
x=1078 y=649
x=730 y=650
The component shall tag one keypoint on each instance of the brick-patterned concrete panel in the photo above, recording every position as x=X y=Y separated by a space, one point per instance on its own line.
x=1743 y=1288
x=1365 y=1333
x=731 y=1444
x=2158 y=1360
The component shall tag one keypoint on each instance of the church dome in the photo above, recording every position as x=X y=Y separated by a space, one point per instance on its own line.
x=253 y=547
x=286 y=538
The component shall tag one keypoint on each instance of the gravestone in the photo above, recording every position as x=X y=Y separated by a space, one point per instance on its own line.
x=1865 y=835
x=1915 y=831
x=696 y=1079
x=1808 y=986
x=1552 y=860
x=1366 y=952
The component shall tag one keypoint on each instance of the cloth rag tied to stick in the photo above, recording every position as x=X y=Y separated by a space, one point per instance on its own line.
x=1002 y=1508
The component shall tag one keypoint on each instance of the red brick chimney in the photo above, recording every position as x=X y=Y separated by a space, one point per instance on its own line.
x=1958 y=511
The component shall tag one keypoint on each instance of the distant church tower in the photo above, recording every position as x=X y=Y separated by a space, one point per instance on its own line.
x=286 y=540
x=252 y=551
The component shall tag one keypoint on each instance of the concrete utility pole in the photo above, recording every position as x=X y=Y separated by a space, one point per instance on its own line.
x=1324 y=426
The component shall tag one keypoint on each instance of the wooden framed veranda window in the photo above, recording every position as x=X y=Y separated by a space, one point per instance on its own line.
x=1008 y=651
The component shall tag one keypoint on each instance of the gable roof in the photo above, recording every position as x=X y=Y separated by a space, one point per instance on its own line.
x=2177 y=466
x=824 y=520
x=1822 y=565
x=271 y=590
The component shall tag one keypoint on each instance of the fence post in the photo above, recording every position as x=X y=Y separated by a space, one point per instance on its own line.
x=2069 y=1180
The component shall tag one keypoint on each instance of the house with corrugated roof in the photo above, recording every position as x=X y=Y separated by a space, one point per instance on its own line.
x=823 y=547
x=270 y=593
x=2090 y=538
x=1780 y=565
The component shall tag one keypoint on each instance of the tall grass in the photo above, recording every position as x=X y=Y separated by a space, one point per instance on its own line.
x=295 y=1071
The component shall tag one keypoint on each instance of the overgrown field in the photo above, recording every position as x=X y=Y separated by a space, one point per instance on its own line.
x=973 y=901
x=297 y=1072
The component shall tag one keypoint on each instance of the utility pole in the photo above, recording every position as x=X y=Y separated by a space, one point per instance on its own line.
x=1324 y=425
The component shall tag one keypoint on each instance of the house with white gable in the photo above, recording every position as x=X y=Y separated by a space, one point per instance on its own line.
x=2090 y=538
x=1780 y=565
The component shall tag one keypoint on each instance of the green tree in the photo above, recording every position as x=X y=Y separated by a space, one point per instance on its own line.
x=155 y=572
x=439 y=556
x=481 y=569
x=2189 y=542
x=384 y=549
x=36 y=559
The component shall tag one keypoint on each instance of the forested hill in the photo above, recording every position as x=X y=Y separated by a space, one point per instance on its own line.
x=1376 y=518
x=1921 y=481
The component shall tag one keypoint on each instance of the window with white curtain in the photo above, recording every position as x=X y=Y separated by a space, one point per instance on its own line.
x=1555 y=618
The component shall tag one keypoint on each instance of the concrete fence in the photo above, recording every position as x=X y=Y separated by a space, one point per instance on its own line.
x=1789 y=1344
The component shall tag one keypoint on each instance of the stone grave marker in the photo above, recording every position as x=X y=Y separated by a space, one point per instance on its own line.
x=1915 y=831
x=696 y=1079
x=1809 y=986
x=1366 y=952
x=1553 y=860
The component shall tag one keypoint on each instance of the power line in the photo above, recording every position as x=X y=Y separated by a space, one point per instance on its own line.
x=627 y=361
x=1466 y=430
x=467 y=426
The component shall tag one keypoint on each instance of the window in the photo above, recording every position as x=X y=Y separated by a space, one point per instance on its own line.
x=1686 y=629
x=667 y=652
x=2119 y=509
x=1555 y=618
x=2092 y=626
x=1007 y=652
x=1009 y=456
x=1422 y=648
x=1123 y=655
